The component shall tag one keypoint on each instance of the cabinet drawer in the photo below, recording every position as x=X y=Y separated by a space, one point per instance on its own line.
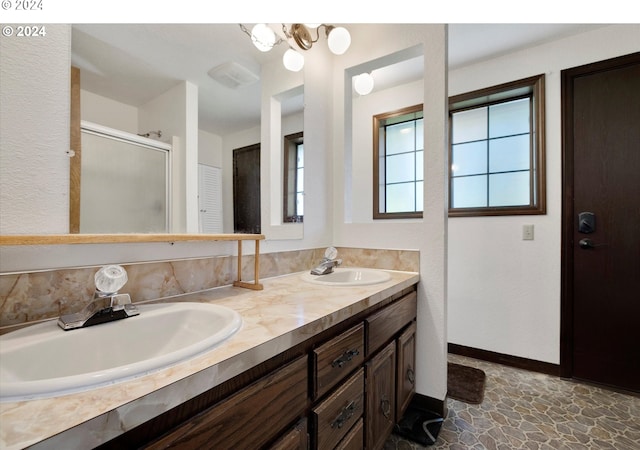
x=382 y=325
x=295 y=439
x=336 y=358
x=250 y=418
x=354 y=440
x=335 y=416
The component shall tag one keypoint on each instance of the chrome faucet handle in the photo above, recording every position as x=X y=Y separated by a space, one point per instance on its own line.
x=110 y=279
x=107 y=305
x=330 y=253
x=119 y=301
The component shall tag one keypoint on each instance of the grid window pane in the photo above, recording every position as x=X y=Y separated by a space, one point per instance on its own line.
x=509 y=189
x=420 y=195
x=400 y=138
x=497 y=150
x=399 y=150
x=469 y=159
x=300 y=204
x=469 y=192
x=469 y=125
x=509 y=118
x=300 y=155
x=293 y=178
x=401 y=197
x=300 y=180
x=419 y=134
x=509 y=154
x=401 y=168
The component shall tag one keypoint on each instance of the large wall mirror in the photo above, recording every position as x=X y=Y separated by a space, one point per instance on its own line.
x=196 y=89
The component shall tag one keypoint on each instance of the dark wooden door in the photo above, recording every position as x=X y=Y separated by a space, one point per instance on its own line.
x=246 y=189
x=601 y=260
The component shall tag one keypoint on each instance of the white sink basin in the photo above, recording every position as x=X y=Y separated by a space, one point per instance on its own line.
x=45 y=361
x=349 y=277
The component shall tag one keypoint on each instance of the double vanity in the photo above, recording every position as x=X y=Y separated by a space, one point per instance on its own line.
x=307 y=362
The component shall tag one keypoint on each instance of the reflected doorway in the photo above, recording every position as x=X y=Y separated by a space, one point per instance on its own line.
x=246 y=189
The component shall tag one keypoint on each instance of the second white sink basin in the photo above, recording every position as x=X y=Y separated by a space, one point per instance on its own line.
x=349 y=277
x=44 y=361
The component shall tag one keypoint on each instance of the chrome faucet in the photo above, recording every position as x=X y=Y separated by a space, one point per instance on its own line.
x=107 y=305
x=328 y=263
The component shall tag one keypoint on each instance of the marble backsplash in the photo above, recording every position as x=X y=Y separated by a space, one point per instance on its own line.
x=35 y=296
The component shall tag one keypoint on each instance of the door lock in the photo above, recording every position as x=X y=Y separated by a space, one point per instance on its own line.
x=586 y=222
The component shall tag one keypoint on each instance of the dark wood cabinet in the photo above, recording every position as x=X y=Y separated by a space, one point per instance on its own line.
x=343 y=388
x=406 y=376
x=336 y=358
x=385 y=324
x=354 y=440
x=335 y=416
x=381 y=397
x=295 y=439
x=250 y=418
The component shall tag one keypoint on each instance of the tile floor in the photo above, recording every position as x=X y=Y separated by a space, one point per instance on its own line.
x=528 y=410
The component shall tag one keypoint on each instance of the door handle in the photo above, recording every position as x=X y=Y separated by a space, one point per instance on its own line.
x=586 y=244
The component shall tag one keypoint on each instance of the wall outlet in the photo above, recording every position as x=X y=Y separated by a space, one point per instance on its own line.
x=527 y=232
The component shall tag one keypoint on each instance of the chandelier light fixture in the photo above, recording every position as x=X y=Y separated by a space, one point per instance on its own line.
x=264 y=38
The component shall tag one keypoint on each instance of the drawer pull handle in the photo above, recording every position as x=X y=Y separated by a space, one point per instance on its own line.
x=345 y=414
x=411 y=376
x=385 y=406
x=346 y=357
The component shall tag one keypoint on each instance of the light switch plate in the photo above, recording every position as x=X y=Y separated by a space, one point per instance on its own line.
x=527 y=232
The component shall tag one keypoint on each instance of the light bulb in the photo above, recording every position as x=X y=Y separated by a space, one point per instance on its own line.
x=339 y=40
x=293 y=60
x=363 y=83
x=263 y=37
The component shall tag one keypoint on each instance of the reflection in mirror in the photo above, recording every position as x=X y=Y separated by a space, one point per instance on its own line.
x=246 y=189
x=398 y=152
x=124 y=182
x=397 y=85
x=293 y=178
x=285 y=119
x=136 y=78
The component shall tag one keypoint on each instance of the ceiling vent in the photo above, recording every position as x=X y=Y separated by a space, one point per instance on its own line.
x=233 y=75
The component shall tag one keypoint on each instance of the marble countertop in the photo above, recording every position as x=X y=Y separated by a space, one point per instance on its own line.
x=288 y=311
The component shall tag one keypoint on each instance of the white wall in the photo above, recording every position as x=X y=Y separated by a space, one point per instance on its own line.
x=504 y=293
x=427 y=235
x=176 y=113
x=209 y=149
x=293 y=123
x=34 y=133
x=110 y=113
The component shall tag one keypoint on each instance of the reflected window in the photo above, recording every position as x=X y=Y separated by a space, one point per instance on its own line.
x=497 y=150
x=293 y=178
x=398 y=152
